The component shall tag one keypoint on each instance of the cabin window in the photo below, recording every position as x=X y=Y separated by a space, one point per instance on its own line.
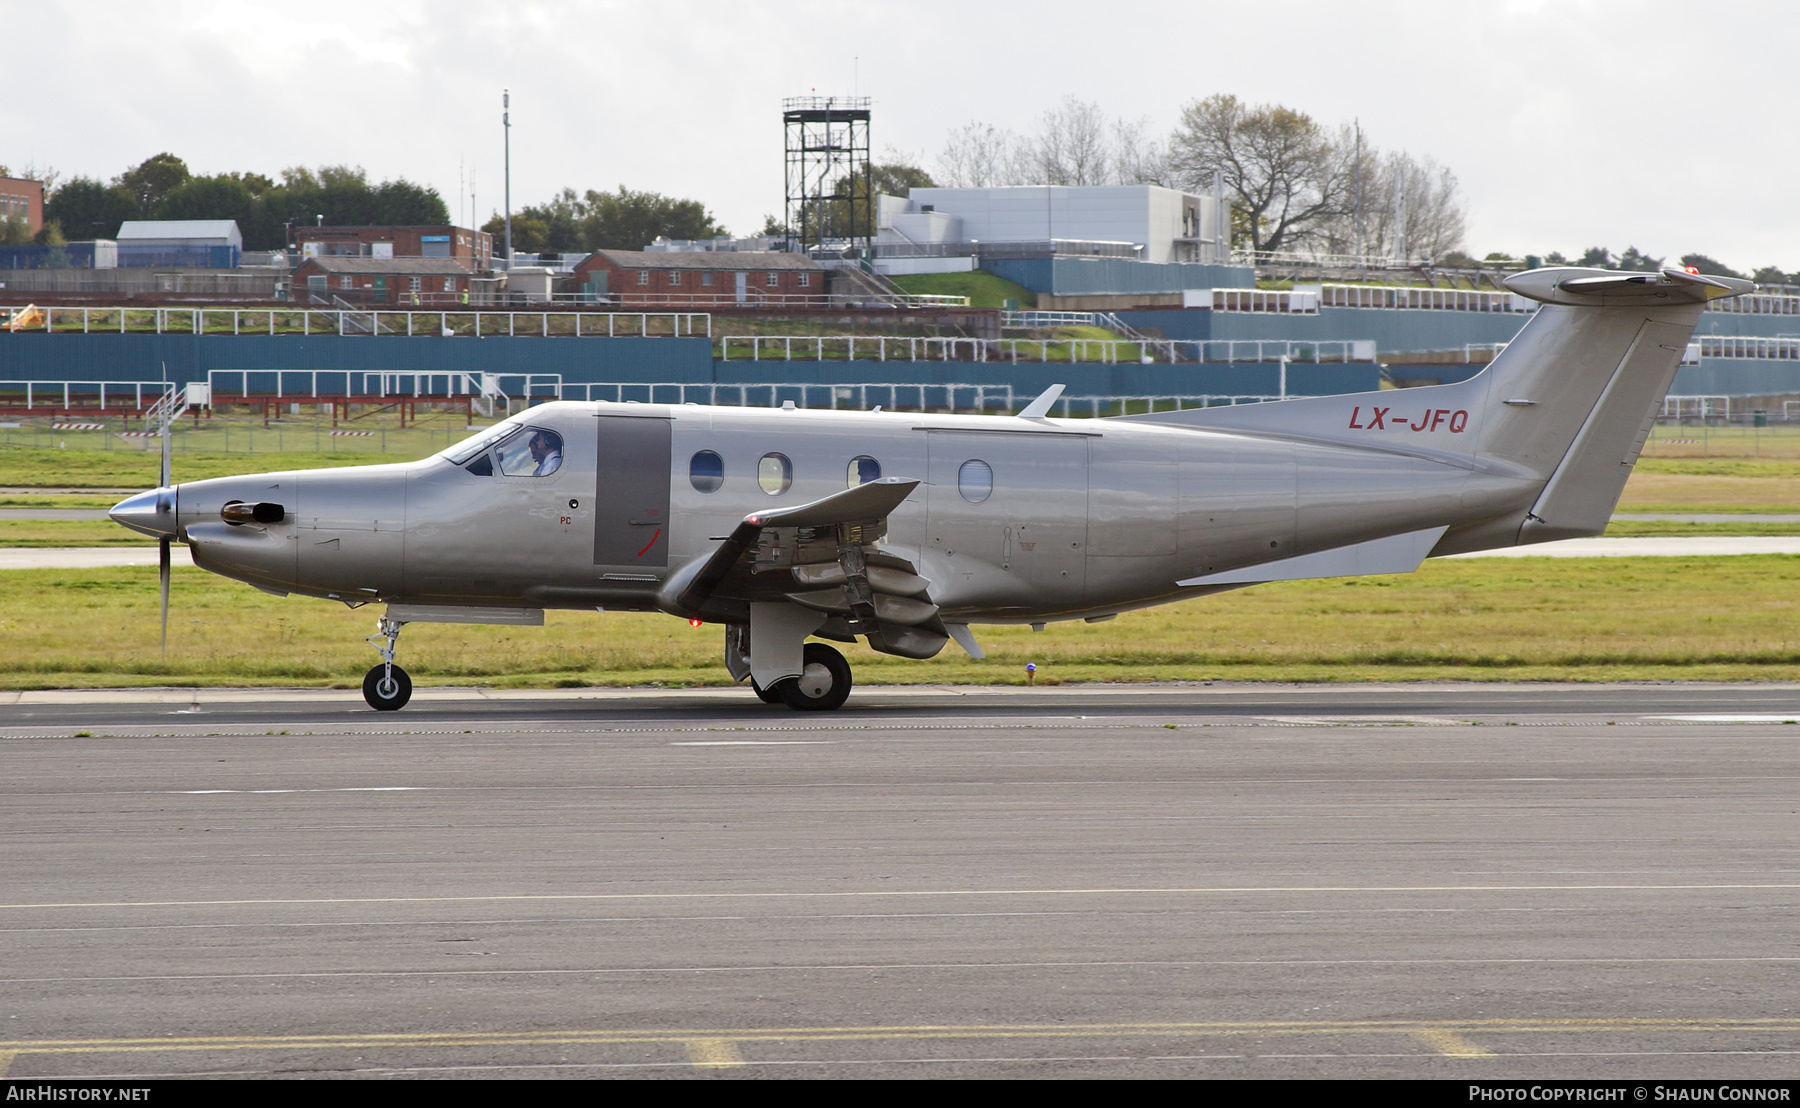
x=774 y=474
x=975 y=480
x=863 y=469
x=706 y=471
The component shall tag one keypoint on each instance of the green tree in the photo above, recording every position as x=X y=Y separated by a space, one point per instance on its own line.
x=531 y=233
x=854 y=216
x=623 y=220
x=88 y=209
x=1598 y=257
x=627 y=220
x=341 y=196
x=151 y=180
x=1639 y=262
x=15 y=231
x=1770 y=275
x=210 y=198
x=1284 y=170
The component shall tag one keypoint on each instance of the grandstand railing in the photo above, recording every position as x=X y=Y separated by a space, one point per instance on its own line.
x=1696 y=407
x=1757 y=303
x=896 y=396
x=302 y=384
x=344 y=321
x=1411 y=297
x=884 y=348
x=504 y=390
x=1744 y=347
x=1286 y=302
x=68 y=395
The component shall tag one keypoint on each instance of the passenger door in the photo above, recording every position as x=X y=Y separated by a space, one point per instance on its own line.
x=631 y=500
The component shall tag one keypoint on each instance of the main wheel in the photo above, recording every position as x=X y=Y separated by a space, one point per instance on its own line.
x=823 y=684
x=385 y=694
x=768 y=696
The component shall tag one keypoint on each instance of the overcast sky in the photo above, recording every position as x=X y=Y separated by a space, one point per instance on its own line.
x=1668 y=126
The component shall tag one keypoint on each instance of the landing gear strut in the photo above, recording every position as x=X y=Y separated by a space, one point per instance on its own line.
x=387 y=688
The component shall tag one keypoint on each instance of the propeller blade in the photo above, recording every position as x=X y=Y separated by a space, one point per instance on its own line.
x=163 y=564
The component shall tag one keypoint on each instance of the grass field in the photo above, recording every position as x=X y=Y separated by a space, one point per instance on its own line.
x=1502 y=619
x=984 y=289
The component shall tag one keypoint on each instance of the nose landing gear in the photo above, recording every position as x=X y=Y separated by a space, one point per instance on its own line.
x=387 y=687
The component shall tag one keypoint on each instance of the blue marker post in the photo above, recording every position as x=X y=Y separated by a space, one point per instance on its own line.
x=1031 y=673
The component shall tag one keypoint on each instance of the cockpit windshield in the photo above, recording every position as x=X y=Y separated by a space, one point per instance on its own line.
x=475 y=444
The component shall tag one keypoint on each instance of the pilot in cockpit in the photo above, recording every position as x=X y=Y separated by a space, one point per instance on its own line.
x=546 y=450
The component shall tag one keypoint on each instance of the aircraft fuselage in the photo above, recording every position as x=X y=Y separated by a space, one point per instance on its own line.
x=1015 y=520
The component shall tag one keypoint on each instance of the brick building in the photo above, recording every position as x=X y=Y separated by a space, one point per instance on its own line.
x=401 y=282
x=474 y=249
x=19 y=196
x=640 y=278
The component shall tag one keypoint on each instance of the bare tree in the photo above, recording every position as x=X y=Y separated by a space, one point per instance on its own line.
x=1075 y=144
x=1136 y=159
x=1288 y=174
x=1071 y=147
x=1410 y=208
x=980 y=155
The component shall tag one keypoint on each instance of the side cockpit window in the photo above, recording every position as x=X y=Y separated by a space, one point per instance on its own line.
x=536 y=453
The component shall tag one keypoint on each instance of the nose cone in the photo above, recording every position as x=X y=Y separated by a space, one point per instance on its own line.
x=150 y=513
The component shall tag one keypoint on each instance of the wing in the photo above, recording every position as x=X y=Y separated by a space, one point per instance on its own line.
x=824 y=556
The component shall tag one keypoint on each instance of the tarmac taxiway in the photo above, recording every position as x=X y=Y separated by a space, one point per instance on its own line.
x=1442 y=880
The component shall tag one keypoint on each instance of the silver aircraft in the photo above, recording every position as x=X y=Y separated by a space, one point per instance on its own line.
x=905 y=530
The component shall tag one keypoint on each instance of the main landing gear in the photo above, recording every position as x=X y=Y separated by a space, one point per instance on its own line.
x=387 y=688
x=822 y=686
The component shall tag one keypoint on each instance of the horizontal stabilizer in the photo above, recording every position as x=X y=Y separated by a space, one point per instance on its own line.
x=1393 y=554
x=1595 y=288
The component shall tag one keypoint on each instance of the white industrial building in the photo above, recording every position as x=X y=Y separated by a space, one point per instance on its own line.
x=181 y=232
x=1146 y=222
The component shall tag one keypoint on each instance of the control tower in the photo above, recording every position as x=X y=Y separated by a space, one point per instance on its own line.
x=829 y=201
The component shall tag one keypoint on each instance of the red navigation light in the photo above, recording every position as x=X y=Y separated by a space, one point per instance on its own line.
x=693 y=623
x=1692 y=268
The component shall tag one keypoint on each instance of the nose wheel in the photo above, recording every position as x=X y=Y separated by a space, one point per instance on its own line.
x=387 y=687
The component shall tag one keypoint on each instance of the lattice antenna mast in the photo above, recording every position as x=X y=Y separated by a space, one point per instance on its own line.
x=829 y=201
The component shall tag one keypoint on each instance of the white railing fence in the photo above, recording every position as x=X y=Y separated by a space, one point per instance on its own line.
x=881 y=348
x=363 y=321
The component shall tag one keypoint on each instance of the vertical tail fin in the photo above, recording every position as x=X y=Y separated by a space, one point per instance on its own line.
x=1572 y=399
x=1564 y=409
